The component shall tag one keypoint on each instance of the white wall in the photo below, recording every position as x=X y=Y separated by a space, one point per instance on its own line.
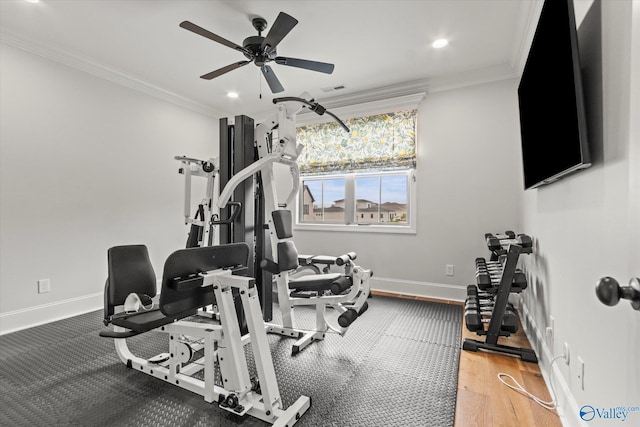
x=582 y=227
x=85 y=165
x=468 y=181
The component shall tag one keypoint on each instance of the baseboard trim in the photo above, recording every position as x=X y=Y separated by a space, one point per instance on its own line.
x=17 y=320
x=415 y=297
x=414 y=288
x=568 y=410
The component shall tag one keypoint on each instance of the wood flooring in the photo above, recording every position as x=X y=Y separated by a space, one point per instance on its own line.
x=482 y=399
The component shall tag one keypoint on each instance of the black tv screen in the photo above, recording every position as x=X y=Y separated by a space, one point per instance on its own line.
x=552 y=115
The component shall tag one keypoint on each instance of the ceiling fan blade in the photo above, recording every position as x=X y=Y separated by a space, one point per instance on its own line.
x=322 y=67
x=223 y=70
x=208 y=34
x=272 y=80
x=280 y=28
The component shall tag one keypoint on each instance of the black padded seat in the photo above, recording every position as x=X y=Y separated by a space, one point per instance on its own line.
x=145 y=321
x=130 y=271
x=314 y=282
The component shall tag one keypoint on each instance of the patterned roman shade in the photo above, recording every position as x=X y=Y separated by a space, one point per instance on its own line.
x=381 y=142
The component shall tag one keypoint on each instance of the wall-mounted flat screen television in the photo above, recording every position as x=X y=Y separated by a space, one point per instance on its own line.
x=552 y=111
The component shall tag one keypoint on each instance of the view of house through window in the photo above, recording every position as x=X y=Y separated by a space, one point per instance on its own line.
x=319 y=200
x=379 y=199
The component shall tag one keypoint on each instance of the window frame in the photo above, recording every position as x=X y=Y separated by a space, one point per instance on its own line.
x=312 y=211
x=350 y=220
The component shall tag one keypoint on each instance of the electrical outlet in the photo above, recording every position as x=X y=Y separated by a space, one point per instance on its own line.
x=566 y=353
x=549 y=332
x=581 y=372
x=44 y=286
x=449 y=270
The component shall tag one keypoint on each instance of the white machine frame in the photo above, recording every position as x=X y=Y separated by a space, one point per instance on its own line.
x=285 y=150
x=207 y=169
x=356 y=298
x=223 y=343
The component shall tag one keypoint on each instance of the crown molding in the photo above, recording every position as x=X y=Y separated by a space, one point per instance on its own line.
x=396 y=96
x=471 y=78
x=369 y=96
x=103 y=71
x=527 y=23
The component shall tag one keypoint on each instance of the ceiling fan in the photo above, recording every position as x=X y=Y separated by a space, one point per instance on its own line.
x=261 y=50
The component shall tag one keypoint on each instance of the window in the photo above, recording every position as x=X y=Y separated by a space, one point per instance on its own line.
x=363 y=177
x=384 y=194
x=359 y=198
x=324 y=196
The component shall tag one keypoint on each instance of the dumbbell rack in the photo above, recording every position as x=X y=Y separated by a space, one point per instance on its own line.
x=500 y=305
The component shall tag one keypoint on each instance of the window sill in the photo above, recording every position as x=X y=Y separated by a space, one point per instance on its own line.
x=356 y=228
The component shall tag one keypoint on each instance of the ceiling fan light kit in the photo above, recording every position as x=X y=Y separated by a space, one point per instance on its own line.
x=261 y=50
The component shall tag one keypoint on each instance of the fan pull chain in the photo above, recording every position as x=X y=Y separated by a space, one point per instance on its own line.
x=260 y=84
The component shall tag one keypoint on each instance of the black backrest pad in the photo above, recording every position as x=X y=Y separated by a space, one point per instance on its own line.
x=282 y=223
x=185 y=262
x=287 y=256
x=130 y=271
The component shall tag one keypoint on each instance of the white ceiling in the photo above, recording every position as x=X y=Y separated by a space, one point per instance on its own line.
x=377 y=46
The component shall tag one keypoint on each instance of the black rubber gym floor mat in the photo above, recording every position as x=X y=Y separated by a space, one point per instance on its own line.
x=423 y=329
x=396 y=366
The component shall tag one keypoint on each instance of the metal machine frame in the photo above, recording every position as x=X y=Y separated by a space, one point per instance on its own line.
x=201 y=226
x=237 y=153
x=285 y=150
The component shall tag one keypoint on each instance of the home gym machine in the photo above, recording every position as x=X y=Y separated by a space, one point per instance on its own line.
x=204 y=358
x=488 y=300
x=248 y=178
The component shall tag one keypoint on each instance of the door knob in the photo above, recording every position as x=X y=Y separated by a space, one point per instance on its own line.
x=610 y=292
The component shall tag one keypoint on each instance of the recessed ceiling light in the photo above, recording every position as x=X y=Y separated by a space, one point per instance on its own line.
x=232 y=94
x=440 y=43
x=33 y=1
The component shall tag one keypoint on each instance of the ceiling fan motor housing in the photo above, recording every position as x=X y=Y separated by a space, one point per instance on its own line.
x=253 y=44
